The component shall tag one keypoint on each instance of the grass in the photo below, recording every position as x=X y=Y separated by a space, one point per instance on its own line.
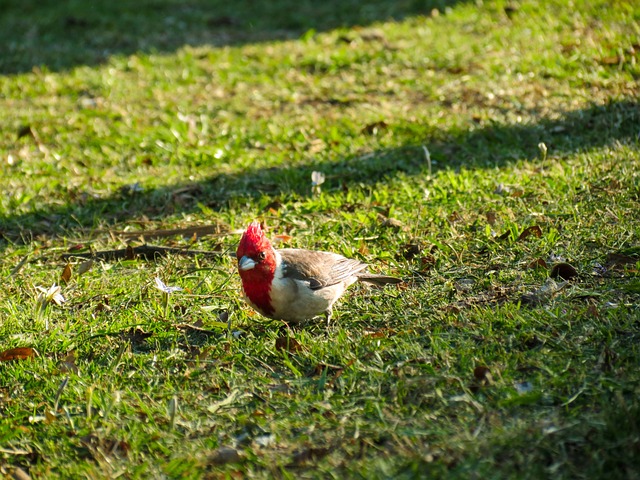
x=126 y=119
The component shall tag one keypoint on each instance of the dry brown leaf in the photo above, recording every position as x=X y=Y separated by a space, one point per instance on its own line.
x=481 y=378
x=614 y=259
x=19 y=353
x=25 y=131
x=427 y=262
x=482 y=374
x=410 y=250
x=563 y=270
x=135 y=335
x=374 y=128
x=65 y=276
x=289 y=344
x=282 y=238
x=274 y=206
x=537 y=263
x=382 y=333
x=533 y=230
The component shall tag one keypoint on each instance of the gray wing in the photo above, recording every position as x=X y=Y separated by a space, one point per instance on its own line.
x=320 y=269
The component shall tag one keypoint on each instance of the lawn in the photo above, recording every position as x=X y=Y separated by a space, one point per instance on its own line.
x=487 y=153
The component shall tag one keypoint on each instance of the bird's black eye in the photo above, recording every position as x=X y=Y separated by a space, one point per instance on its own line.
x=262 y=256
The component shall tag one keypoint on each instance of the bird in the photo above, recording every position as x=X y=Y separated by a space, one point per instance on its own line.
x=293 y=284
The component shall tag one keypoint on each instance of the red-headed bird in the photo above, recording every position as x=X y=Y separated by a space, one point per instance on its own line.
x=293 y=284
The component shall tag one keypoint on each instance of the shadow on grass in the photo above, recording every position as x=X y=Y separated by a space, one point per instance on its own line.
x=486 y=147
x=58 y=35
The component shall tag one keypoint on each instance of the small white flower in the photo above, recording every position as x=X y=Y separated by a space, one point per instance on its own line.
x=317 y=179
x=51 y=295
x=160 y=285
x=543 y=150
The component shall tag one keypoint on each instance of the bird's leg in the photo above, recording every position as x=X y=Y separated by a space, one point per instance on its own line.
x=328 y=315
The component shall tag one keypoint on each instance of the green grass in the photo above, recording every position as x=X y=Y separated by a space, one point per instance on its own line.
x=137 y=116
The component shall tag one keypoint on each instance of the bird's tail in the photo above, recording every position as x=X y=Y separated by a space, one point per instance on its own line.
x=378 y=280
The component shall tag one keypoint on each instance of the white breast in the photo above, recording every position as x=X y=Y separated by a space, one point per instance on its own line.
x=293 y=300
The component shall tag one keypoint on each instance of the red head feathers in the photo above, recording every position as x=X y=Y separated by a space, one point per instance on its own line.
x=253 y=241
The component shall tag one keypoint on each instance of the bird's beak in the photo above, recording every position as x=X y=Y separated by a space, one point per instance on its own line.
x=246 y=263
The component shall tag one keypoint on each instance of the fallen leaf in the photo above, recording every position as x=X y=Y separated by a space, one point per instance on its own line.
x=374 y=128
x=273 y=206
x=482 y=377
x=563 y=270
x=25 y=131
x=375 y=335
x=537 y=263
x=410 y=250
x=289 y=344
x=19 y=353
x=427 y=262
x=281 y=239
x=533 y=230
x=482 y=373
x=66 y=274
x=616 y=258
x=135 y=335
x=85 y=266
